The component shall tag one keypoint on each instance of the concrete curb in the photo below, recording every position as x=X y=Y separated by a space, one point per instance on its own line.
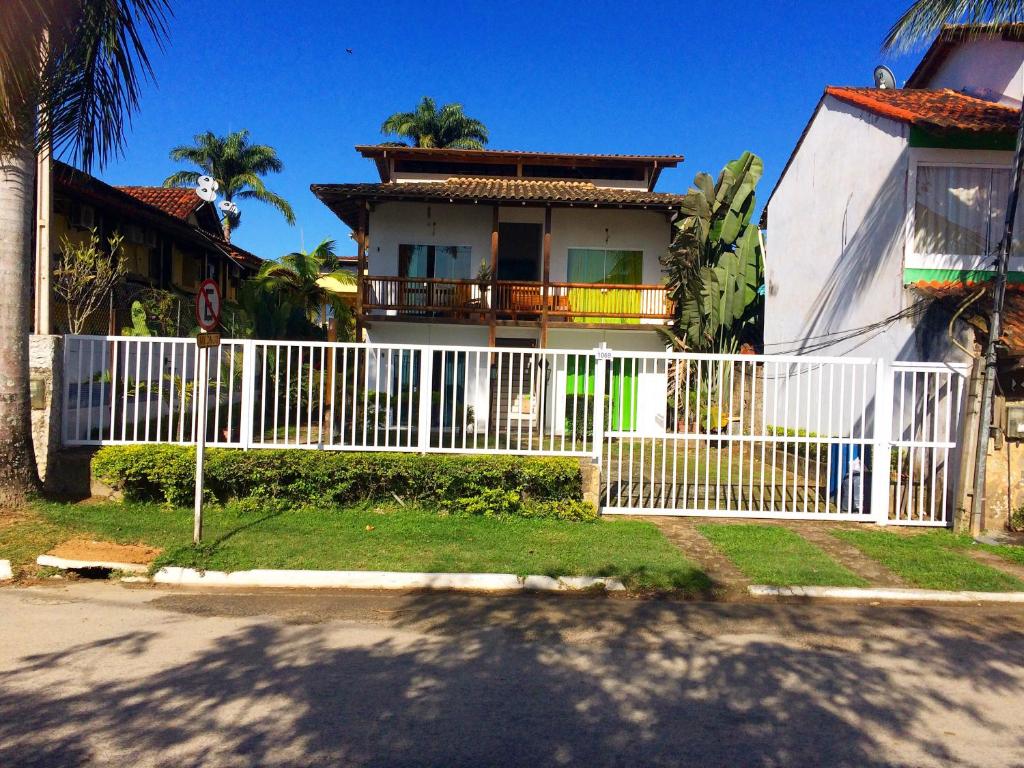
x=71 y=565
x=477 y=582
x=886 y=593
x=6 y=574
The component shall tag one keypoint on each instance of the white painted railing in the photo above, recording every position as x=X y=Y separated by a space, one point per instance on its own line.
x=335 y=396
x=738 y=435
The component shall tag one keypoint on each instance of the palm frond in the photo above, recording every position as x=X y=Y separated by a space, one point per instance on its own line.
x=926 y=18
x=236 y=164
x=91 y=81
x=429 y=126
x=182 y=179
x=272 y=199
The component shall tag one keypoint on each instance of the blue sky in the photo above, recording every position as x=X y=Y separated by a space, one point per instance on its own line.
x=707 y=80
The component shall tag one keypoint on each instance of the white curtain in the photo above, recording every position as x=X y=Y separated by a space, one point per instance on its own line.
x=959 y=211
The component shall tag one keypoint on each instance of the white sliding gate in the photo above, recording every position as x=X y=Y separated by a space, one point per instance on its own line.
x=790 y=437
x=682 y=434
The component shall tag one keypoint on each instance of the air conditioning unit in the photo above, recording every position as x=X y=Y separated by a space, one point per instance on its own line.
x=83 y=217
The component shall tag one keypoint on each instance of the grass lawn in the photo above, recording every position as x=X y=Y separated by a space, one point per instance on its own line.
x=1010 y=552
x=368 y=537
x=26 y=535
x=770 y=554
x=931 y=560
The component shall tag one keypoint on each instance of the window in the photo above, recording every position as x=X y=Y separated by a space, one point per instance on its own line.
x=959 y=210
x=600 y=265
x=447 y=262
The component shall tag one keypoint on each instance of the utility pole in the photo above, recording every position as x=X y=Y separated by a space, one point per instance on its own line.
x=995 y=332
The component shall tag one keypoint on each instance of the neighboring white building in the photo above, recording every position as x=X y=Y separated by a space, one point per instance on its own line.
x=480 y=248
x=893 y=199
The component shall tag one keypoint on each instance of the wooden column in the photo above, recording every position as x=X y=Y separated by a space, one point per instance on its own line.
x=360 y=269
x=545 y=290
x=492 y=331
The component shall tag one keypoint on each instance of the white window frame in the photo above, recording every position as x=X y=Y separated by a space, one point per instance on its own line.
x=947 y=158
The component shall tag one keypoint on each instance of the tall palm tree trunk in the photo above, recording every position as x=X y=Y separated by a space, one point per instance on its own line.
x=18 y=475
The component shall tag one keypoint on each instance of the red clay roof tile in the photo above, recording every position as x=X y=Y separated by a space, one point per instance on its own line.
x=180 y=202
x=935 y=110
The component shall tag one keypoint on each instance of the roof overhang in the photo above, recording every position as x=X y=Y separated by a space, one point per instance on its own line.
x=382 y=154
x=347 y=199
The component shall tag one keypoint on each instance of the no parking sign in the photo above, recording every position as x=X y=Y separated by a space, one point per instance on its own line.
x=208 y=305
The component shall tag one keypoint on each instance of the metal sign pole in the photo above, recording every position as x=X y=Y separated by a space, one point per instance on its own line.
x=202 y=376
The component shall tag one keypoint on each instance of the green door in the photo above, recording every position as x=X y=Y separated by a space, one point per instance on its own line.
x=621 y=391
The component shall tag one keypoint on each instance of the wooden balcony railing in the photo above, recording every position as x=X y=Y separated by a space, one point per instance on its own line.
x=515 y=300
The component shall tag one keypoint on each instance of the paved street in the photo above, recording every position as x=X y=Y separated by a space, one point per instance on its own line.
x=99 y=674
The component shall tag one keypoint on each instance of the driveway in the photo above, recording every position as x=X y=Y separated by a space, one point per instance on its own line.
x=92 y=673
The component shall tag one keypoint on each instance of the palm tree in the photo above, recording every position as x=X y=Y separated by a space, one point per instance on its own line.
x=70 y=72
x=923 y=20
x=300 y=286
x=430 y=127
x=237 y=166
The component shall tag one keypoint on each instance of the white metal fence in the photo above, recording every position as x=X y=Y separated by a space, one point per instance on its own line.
x=754 y=436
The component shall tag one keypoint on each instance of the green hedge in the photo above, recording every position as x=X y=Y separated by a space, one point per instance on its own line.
x=167 y=473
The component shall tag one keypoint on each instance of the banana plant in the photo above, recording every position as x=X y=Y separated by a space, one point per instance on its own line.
x=715 y=264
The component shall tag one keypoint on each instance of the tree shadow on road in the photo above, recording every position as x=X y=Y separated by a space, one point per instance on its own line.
x=464 y=680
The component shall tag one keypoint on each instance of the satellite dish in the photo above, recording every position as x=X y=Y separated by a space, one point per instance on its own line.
x=884 y=78
x=226 y=206
x=207 y=193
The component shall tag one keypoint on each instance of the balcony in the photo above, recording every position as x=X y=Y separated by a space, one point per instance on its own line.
x=515 y=301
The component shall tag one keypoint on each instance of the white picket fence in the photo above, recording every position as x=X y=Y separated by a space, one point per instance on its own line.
x=683 y=434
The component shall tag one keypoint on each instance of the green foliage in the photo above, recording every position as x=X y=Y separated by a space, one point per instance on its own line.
x=489 y=502
x=581 y=408
x=138 y=326
x=715 y=265
x=429 y=126
x=81 y=99
x=85 y=274
x=167 y=473
x=1017 y=518
x=289 y=298
x=238 y=167
x=499 y=502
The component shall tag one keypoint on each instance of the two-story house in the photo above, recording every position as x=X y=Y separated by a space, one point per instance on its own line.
x=884 y=227
x=171 y=241
x=892 y=198
x=494 y=248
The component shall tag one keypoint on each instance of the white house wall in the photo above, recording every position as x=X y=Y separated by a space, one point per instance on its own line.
x=985 y=67
x=394 y=223
x=836 y=228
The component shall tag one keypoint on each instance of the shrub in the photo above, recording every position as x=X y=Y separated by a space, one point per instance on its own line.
x=167 y=473
x=489 y=502
x=496 y=502
x=579 y=411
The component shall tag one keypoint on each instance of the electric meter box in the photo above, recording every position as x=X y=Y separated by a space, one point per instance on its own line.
x=1015 y=422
